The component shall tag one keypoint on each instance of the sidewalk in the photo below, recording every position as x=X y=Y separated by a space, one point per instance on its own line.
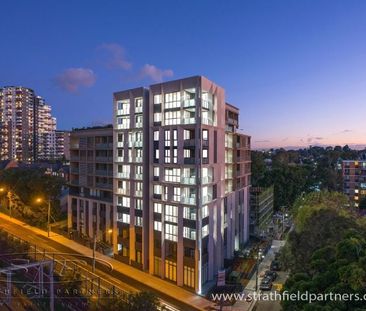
x=263 y=266
x=153 y=282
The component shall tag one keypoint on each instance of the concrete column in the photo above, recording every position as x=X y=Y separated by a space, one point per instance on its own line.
x=90 y=218
x=69 y=213
x=180 y=249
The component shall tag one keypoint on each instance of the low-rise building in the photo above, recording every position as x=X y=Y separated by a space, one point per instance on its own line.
x=90 y=201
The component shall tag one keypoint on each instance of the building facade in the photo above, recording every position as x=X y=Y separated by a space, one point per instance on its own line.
x=354 y=181
x=181 y=180
x=90 y=199
x=27 y=128
x=62 y=149
x=261 y=210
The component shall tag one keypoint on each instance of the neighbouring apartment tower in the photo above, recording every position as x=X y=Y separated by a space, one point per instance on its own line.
x=27 y=128
x=261 y=210
x=90 y=200
x=181 y=180
x=354 y=180
x=62 y=145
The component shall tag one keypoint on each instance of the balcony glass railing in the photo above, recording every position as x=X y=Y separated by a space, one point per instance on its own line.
x=138 y=109
x=123 y=175
x=207 y=179
x=188 y=121
x=206 y=199
x=188 y=180
x=123 y=191
x=189 y=103
x=188 y=200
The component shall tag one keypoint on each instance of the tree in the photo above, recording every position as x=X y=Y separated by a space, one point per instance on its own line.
x=326 y=253
x=133 y=302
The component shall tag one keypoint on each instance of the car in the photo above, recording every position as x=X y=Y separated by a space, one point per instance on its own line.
x=275 y=266
x=272 y=275
x=266 y=284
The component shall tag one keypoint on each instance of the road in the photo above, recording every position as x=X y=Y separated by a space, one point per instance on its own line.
x=176 y=298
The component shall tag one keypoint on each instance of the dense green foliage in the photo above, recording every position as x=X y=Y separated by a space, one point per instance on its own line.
x=21 y=187
x=134 y=302
x=295 y=172
x=326 y=253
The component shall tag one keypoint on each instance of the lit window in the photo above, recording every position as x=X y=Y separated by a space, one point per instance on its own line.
x=156 y=135
x=138 y=221
x=156 y=171
x=157 y=208
x=204 y=231
x=171 y=213
x=205 y=134
x=157 y=99
x=171 y=232
x=157 y=225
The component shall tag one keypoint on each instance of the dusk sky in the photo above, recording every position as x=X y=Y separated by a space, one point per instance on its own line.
x=296 y=69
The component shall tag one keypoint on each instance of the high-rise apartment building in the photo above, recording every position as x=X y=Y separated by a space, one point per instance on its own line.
x=90 y=200
x=17 y=123
x=354 y=180
x=181 y=180
x=27 y=128
x=62 y=145
x=44 y=131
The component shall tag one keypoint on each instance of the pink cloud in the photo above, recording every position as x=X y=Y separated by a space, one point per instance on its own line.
x=154 y=73
x=72 y=79
x=115 y=57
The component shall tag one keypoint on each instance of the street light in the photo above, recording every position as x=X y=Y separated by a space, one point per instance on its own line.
x=259 y=257
x=110 y=231
x=40 y=200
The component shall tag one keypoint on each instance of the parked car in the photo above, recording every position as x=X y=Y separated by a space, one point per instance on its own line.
x=272 y=275
x=266 y=284
x=275 y=266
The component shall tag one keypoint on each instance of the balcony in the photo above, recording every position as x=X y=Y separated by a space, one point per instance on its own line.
x=189 y=160
x=189 y=142
x=104 y=146
x=101 y=172
x=206 y=104
x=123 y=175
x=138 y=159
x=207 y=121
x=188 y=200
x=206 y=199
x=138 y=124
x=207 y=179
x=137 y=144
x=138 y=109
x=123 y=191
x=104 y=186
x=123 y=112
x=138 y=176
x=120 y=144
x=189 y=103
x=188 y=121
x=188 y=180
x=103 y=159
x=138 y=193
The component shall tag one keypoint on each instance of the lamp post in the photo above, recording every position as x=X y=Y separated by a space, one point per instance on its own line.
x=40 y=200
x=259 y=257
